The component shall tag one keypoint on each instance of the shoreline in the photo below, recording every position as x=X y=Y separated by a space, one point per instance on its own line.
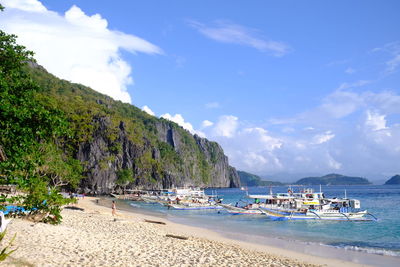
x=94 y=238
x=233 y=239
x=324 y=254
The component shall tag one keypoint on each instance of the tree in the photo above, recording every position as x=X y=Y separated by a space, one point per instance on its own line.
x=125 y=176
x=59 y=169
x=29 y=129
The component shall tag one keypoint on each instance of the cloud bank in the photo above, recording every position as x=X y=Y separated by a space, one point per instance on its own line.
x=348 y=133
x=75 y=46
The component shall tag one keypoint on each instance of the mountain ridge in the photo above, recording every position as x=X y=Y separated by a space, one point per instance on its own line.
x=249 y=179
x=333 y=179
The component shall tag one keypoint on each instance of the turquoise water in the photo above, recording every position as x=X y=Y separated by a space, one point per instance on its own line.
x=375 y=237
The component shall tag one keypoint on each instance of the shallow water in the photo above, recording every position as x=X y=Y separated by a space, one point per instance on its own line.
x=380 y=237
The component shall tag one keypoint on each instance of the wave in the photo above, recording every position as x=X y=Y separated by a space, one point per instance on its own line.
x=134 y=205
x=369 y=250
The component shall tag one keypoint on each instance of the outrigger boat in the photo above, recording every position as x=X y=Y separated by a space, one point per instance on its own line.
x=304 y=205
x=184 y=199
x=330 y=215
x=195 y=200
x=195 y=206
x=235 y=210
x=309 y=205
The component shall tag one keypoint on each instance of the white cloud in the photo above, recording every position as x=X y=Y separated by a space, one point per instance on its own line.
x=178 y=118
x=333 y=163
x=354 y=133
x=341 y=103
x=76 y=46
x=228 y=32
x=350 y=70
x=206 y=123
x=394 y=50
x=309 y=128
x=375 y=121
x=322 y=138
x=26 y=5
x=148 y=110
x=265 y=141
x=212 y=105
x=226 y=126
x=353 y=84
x=393 y=63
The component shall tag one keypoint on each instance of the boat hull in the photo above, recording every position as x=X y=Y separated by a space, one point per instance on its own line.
x=241 y=211
x=357 y=216
x=184 y=207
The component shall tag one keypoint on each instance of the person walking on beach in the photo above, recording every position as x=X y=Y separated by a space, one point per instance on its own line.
x=114 y=209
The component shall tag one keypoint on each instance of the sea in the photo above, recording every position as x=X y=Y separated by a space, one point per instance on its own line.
x=366 y=242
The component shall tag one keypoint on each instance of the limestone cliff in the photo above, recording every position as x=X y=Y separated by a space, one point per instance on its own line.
x=110 y=137
x=192 y=160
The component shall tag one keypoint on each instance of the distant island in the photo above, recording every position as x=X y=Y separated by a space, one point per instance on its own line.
x=394 y=180
x=249 y=179
x=333 y=179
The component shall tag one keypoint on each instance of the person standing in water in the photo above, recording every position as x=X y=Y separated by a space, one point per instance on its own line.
x=114 y=209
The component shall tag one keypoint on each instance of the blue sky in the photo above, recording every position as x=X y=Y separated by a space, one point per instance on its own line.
x=293 y=87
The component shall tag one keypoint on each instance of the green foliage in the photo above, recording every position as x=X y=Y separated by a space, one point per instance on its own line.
x=44 y=202
x=30 y=123
x=214 y=152
x=204 y=169
x=125 y=176
x=5 y=252
x=148 y=167
x=58 y=168
x=169 y=155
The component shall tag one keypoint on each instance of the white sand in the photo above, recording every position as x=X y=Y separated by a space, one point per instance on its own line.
x=94 y=238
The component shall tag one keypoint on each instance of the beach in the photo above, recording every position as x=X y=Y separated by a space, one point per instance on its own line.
x=93 y=237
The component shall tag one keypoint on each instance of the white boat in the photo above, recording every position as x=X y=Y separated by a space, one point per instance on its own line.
x=241 y=210
x=318 y=215
x=309 y=205
x=195 y=206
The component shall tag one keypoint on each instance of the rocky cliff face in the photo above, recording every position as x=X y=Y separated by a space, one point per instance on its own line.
x=179 y=159
x=114 y=140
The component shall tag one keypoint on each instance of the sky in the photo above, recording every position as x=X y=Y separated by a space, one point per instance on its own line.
x=287 y=88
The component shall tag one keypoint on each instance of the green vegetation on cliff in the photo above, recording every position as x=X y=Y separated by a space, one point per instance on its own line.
x=161 y=147
x=333 y=179
x=254 y=180
x=56 y=133
x=394 y=180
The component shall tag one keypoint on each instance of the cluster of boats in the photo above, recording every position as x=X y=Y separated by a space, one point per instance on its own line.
x=303 y=205
x=181 y=199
